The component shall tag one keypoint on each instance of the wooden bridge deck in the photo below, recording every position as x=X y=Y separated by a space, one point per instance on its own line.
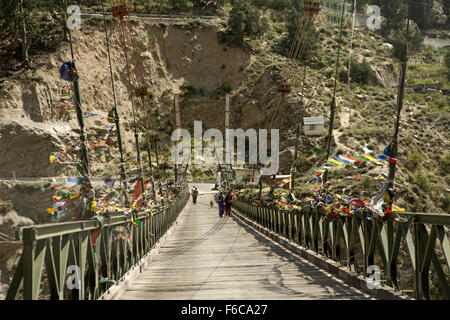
x=207 y=257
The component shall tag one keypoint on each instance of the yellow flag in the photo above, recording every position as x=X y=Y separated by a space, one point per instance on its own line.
x=397 y=209
x=369 y=157
x=76 y=195
x=334 y=161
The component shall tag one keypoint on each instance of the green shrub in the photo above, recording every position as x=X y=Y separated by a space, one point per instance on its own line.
x=422 y=181
x=226 y=88
x=414 y=43
x=444 y=164
x=359 y=72
x=186 y=88
x=413 y=159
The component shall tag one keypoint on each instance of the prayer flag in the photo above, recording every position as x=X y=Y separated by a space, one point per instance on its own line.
x=75 y=180
x=87 y=115
x=53 y=159
x=352 y=159
x=381 y=157
x=361 y=159
x=319 y=150
x=388 y=152
x=340 y=159
x=397 y=209
x=334 y=161
x=369 y=157
x=65 y=71
x=112 y=116
x=110 y=182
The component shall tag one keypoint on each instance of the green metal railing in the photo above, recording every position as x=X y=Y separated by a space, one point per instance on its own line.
x=380 y=242
x=101 y=252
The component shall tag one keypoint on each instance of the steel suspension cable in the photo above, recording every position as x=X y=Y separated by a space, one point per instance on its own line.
x=130 y=85
x=333 y=101
x=116 y=113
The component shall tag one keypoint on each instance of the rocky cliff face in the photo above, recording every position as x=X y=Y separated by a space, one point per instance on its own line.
x=26 y=146
x=167 y=56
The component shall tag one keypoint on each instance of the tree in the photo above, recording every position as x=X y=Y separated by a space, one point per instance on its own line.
x=245 y=20
x=415 y=40
x=421 y=13
x=19 y=18
x=180 y=4
x=293 y=22
x=25 y=58
x=394 y=11
x=446 y=5
x=279 y=4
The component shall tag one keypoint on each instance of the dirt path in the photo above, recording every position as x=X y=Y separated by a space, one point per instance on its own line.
x=345 y=117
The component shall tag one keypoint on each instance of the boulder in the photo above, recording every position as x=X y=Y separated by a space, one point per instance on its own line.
x=286 y=160
x=27 y=145
x=385 y=75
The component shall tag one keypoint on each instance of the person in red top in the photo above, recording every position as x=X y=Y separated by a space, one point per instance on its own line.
x=228 y=201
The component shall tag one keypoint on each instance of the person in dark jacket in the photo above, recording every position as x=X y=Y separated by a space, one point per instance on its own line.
x=194 y=195
x=221 y=204
x=228 y=200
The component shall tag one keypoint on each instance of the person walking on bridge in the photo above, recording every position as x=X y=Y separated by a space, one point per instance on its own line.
x=194 y=195
x=228 y=200
x=220 y=203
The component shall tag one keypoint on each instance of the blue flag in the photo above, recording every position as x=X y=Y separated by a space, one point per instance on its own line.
x=110 y=182
x=65 y=71
x=340 y=159
x=91 y=115
x=75 y=180
x=388 y=152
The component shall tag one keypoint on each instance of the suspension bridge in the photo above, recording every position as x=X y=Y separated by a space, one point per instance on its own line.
x=186 y=251
x=181 y=250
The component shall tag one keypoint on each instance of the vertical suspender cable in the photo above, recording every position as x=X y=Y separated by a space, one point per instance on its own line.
x=116 y=113
x=401 y=92
x=136 y=135
x=333 y=101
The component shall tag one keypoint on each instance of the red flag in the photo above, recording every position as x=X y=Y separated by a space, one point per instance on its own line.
x=138 y=189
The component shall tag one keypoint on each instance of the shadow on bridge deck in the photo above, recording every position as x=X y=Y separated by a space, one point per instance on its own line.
x=207 y=257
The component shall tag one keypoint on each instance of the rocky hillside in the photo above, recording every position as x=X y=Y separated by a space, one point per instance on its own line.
x=189 y=58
